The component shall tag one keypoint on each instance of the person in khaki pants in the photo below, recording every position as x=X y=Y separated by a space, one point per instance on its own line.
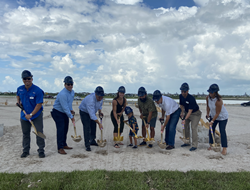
x=190 y=110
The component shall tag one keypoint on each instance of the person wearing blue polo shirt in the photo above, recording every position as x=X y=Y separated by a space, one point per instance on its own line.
x=88 y=108
x=190 y=113
x=31 y=98
x=61 y=113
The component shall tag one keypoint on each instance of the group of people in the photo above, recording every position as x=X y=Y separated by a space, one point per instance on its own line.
x=31 y=98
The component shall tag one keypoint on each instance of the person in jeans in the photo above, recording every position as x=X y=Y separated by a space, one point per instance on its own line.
x=30 y=97
x=219 y=114
x=118 y=107
x=190 y=113
x=171 y=110
x=148 y=112
x=61 y=113
x=88 y=108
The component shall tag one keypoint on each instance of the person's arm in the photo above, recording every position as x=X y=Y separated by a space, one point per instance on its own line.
x=187 y=116
x=123 y=109
x=18 y=100
x=133 y=127
x=165 y=123
x=163 y=113
x=218 y=107
x=207 y=107
x=91 y=112
x=63 y=102
x=114 y=106
x=182 y=111
x=35 y=110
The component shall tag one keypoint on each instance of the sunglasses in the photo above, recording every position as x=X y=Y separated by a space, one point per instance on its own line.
x=183 y=91
x=69 y=84
x=27 y=78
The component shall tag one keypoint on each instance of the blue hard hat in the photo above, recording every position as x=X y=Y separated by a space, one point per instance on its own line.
x=184 y=87
x=142 y=91
x=157 y=95
x=68 y=80
x=26 y=74
x=121 y=89
x=128 y=110
x=99 y=91
x=213 y=88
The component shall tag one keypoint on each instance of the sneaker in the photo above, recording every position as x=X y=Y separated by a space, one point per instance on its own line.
x=134 y=147
x=150 y=146
x=93 y=143
x=130 y=144
x=192 y=149
x=25 y=154
x=41 y=155
x=143 y=143
x=185 y=145
x=88 y=149
x=169 y=147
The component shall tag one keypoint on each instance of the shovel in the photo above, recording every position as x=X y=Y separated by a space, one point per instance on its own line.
x=215 y=146
x=160 y=143
x=76 y=138
x=184 y=139
x=39 y=134
x=101 y=143
x=150 y=140
x=118 y=139
x=132 y=130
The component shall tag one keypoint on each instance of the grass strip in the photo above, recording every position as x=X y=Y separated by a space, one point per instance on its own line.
x=122 y=180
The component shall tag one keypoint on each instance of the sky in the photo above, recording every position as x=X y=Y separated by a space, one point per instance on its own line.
x=110 y=43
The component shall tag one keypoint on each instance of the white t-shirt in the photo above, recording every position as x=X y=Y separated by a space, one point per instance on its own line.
x=223 y=113
x=168 y=105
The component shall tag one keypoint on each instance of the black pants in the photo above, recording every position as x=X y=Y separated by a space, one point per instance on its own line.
x=62 y=126
x=26 y=128
x=89 y=128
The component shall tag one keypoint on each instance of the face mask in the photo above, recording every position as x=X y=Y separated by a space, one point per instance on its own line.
x=143 y=99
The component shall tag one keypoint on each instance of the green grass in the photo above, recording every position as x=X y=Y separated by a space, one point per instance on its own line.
x=101 y=179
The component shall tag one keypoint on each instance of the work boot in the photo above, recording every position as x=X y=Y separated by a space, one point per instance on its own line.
x=143 y=143
x=169 y=147
x=41 y=155
x=88 y=149
x=25 y=154
x=61 y=151
x=192 y=149
x=150 y=146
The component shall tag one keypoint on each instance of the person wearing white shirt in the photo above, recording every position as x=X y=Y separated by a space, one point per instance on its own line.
x=171 y=111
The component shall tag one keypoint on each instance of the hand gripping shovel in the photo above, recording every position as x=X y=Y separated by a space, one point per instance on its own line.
x=101 y=143
x=160 y=143
x=215 y=146
x=118 y=139
x=76 y=138
x=39 y=134
x=184 y=139
x=148 y=139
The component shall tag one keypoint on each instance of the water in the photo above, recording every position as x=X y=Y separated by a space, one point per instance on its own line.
x=198 y=101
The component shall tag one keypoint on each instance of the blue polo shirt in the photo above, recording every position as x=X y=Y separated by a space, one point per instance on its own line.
x=30 y=99
x=189 y=103
x=64 y=102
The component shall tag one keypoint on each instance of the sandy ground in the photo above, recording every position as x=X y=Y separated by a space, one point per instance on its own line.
x=124 y=158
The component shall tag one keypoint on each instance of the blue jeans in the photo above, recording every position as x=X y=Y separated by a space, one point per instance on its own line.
x=223 y=135
x=62 y=125
x=170 y=129
x=89 y=128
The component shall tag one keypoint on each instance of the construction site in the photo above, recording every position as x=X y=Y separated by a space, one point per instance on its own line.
x=106 y=157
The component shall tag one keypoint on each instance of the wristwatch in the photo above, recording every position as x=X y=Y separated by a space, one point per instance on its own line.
x=31 y=114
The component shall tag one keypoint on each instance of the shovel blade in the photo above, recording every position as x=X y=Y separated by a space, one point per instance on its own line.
x=39 y=134
x=161 y=145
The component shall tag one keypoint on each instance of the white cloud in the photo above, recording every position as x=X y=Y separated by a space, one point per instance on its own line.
x=63 y=64
x=201 y=2
x=9 y=81
x=127 y=2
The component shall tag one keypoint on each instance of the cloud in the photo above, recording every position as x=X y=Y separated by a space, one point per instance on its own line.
x=63 y=64
x=9 y=81
x=127 y=2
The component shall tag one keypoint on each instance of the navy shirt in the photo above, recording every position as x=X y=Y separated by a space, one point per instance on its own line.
x=30 y=99
x=132 y=120
x=189 y=103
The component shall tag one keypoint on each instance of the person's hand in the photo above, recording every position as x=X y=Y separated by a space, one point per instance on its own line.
x=72 y=112
x=100 y=115
x=161 y=120
x=73 y=119
x=162 y=128
x=147 y=125
x=141 y=116
x=100 y=126
x=118 y=121
x=133 y=130
x=28 y=116
x=182 y=115
x=119 y=113
x=183 y=122
x=211 y=123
